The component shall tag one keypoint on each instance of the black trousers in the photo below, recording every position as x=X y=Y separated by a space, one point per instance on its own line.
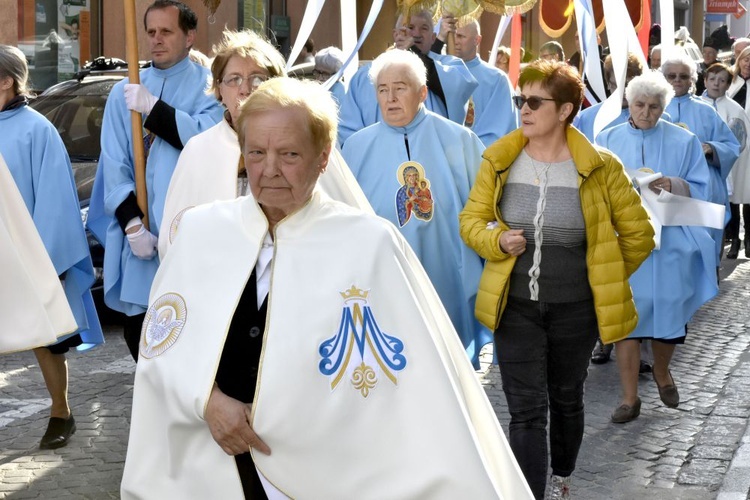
x=733 y=227
x=544 y=349
x=132 y=333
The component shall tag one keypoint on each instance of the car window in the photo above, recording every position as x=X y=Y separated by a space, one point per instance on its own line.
x=78 y=120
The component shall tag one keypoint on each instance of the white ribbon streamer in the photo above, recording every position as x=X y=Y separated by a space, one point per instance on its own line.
x=312 y=12
x=622 y=40
x=667 y=209
x=666 y=18
x=371 y=17
x=349 y=36
x=504 y=23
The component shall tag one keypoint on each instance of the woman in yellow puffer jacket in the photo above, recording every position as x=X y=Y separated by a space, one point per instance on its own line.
x=561 y=229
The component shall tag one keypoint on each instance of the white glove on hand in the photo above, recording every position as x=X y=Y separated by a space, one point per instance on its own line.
x=138 y=98
x=143 y=243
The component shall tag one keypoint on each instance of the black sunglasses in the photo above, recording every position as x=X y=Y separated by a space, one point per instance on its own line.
x=533 y=101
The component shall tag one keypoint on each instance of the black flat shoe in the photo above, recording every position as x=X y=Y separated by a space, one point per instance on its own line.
x=668 y=393
x=58 y=433
x=601 y=353
x=626 y=413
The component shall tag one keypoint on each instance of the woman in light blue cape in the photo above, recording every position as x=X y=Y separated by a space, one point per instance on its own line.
x=40 y=166
x=680 y=276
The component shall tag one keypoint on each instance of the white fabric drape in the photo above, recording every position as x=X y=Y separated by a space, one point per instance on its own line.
x=622 y=40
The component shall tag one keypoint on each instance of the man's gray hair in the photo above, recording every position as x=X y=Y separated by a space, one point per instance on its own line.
x=650 y=84
x=739 y=41
x=410 y=63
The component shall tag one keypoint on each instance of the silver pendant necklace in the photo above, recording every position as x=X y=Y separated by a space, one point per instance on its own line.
x=537 y=172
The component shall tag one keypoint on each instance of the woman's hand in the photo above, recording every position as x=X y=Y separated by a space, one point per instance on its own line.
x=512 y=242
x=229 y=422
x=661 y=184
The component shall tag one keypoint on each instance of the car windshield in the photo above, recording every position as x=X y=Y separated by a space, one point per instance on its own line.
x=78 y=119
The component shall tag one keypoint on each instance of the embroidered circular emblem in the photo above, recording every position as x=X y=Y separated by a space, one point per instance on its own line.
x=176 y=222
x=162 y=325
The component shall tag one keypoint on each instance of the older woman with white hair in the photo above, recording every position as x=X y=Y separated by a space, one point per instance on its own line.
x=328 y=62
x=720 y=147
x=417 y=168
x=285 y=325
x=678 y=277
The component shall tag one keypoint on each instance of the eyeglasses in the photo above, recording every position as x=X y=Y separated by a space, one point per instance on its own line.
x=321 y=75
x=534 y=101
x=677 y=76
x=238 y=80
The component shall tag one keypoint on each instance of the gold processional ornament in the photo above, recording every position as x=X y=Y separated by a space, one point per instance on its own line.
x=409 y=7
x=212 y=6
x=466 y=11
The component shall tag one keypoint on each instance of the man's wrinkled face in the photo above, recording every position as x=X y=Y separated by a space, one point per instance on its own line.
x=420 y=29
x=399 y=96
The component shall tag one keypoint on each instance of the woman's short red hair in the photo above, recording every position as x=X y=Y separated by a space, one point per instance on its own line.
x=560 y=79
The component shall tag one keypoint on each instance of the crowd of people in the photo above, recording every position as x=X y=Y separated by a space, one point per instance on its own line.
x=314 y=272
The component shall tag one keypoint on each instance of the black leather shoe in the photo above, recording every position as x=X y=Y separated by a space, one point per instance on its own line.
x=626 y=413
x=668 y=393
x=734 y=250
x=645 y=367
x=58 y=433
x=601 y=353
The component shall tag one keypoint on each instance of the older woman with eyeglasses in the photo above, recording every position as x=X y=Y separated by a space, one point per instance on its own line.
x=720 y=147
x=211 y=167
x=561 y=229
x=678 y=277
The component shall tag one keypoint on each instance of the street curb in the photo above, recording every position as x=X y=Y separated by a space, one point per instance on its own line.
x=736 y=484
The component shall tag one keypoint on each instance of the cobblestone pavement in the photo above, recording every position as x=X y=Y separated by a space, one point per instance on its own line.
x=685 y=453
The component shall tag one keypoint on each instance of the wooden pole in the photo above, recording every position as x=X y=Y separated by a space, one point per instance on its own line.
x=139 y=156
x=451 y=41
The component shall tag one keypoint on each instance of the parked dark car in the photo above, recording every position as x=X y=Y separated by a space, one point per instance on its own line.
x=76 y=108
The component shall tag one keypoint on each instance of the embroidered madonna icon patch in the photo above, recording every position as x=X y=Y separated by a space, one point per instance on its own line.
x=162 y=325
x=360 y=351
x=414 y=197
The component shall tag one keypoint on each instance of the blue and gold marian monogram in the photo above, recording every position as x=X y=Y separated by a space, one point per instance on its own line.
x=162 y=325
x=360 y=351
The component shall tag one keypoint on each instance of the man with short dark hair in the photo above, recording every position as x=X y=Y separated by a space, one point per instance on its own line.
x=172 y=98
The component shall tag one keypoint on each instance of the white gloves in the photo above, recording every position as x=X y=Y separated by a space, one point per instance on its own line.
x=138 y=98
x=142 y=242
